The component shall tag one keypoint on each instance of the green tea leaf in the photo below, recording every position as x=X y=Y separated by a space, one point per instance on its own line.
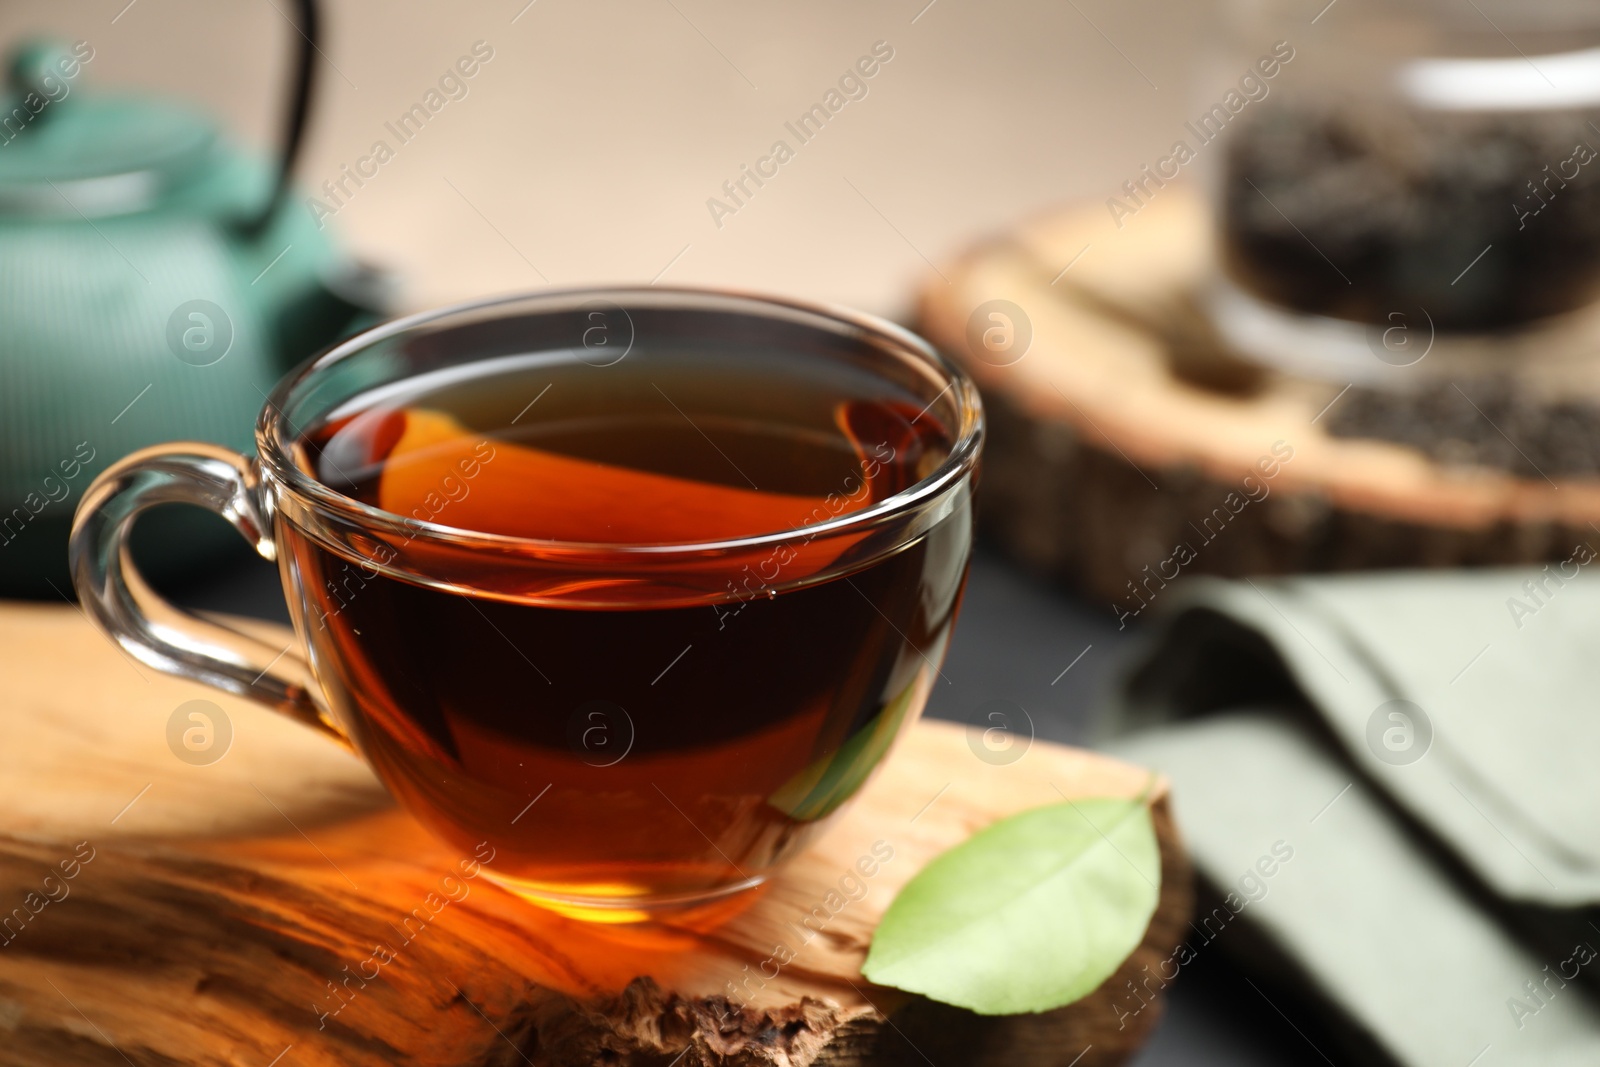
x=1028 y=914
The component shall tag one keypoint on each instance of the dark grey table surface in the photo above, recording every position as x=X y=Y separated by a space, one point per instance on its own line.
x=1016 y=640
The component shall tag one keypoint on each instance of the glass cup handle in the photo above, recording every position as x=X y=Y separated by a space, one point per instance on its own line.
x=121 y=603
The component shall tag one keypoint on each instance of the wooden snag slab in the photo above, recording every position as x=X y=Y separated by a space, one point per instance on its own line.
x=273 y=907
x=1123 y=430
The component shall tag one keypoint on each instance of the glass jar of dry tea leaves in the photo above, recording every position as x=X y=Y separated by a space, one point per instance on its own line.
x=1423 y=176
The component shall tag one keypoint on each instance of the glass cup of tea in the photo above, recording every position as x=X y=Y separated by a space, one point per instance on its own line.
x=636 y=586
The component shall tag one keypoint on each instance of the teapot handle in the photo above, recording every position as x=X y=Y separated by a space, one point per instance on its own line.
x=303 y=83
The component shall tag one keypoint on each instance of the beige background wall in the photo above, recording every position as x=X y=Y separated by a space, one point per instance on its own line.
x=588 y=146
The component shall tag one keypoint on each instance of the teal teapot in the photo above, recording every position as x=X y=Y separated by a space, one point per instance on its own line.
x=155 y=282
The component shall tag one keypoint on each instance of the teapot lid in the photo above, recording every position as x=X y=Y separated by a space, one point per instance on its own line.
x=66 y=152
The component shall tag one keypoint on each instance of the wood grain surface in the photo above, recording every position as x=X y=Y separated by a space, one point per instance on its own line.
x=1123 y=430
x=272 y=907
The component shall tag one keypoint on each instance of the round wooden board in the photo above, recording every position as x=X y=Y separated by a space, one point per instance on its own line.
x=214 y=909
x=1102 y=458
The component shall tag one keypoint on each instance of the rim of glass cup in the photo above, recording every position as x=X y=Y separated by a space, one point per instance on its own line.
x=272 y=441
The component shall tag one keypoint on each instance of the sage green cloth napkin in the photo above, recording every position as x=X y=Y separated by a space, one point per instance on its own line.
x=1426 y=747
